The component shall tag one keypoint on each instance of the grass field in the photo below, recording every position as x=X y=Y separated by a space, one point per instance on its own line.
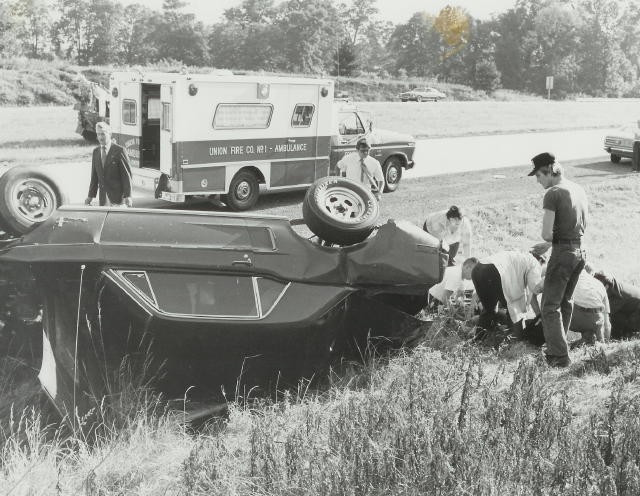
x=449 y=417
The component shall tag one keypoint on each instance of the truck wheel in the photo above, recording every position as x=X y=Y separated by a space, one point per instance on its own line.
x=392 y=170
x=615 y=158
x=340 y=211
x=90 y=136
x=418 y=99
x=243 y=192
x=27 y=198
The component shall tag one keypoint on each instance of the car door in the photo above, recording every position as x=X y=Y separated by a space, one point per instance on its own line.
x=350 y=129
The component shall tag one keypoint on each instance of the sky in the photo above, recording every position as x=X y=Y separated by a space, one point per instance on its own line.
x=396 y=11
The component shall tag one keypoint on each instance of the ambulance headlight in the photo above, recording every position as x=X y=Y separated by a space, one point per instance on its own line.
x=193 y=89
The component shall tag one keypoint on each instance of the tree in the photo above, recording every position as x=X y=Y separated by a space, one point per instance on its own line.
x=487 y=77
x=35 y=21
x=179 y=36
x=417 y=46
x=105 y=18
x=306 y=35
x=134 y=36
x=345 y=62
x=69 y=33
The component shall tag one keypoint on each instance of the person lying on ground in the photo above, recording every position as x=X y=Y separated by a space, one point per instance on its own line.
x=508 y=278
x=453 y=228
x=624 y=303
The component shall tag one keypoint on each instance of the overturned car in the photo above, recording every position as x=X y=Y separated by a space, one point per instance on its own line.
x=211 y=301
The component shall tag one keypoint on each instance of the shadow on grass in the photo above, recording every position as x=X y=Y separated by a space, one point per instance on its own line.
x=620 y=169
x=45 y=143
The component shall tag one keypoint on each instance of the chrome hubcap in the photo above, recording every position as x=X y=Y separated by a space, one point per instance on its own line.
x=343 y=204
x=33 y=200
x=243 y=190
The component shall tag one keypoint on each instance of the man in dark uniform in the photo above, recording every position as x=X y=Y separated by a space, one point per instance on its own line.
x=110 y=171
x=563 y=224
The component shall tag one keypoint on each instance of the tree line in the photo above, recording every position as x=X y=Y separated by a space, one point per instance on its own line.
x=589 y=46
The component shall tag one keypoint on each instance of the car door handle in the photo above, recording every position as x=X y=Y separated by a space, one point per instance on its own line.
x=245 y=261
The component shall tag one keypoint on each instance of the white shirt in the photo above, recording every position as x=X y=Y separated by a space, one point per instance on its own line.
x=451 y=281
x=438 y=225
x=350 y=164
x=519 y=272
x=590 y=293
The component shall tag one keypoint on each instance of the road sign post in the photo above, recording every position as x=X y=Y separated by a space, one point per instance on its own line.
x=549 y=86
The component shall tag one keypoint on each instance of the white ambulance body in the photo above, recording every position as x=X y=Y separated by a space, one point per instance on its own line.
x=204 y=134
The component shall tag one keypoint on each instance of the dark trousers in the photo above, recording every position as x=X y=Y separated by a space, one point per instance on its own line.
x=486 y=280
x=564 y=267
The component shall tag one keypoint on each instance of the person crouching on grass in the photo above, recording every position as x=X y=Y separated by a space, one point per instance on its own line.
x=565 y=212
x=451 y=227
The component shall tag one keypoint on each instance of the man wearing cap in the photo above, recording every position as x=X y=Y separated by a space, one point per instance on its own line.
x=564 y=221
x=110 y=171
x=363 y=168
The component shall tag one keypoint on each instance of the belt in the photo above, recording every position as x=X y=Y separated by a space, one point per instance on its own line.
x=588 y=310
x=573 y=242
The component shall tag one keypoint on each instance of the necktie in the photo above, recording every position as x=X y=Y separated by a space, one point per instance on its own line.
x=363 y=172
x=103 y=154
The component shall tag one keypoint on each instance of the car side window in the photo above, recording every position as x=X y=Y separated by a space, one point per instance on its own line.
x=202 y=295
x=350 y=124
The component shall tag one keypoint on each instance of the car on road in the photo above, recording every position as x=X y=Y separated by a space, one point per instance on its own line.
x=422 y=95
x=620 y=143
x=211 y=302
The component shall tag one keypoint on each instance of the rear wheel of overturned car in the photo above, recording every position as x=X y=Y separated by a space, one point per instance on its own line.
x=392 y=170
x=340 y=211
x=243 y=191
x=615 y=158
x=27 y=198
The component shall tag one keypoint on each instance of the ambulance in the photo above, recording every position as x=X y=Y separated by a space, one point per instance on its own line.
x=239 y=136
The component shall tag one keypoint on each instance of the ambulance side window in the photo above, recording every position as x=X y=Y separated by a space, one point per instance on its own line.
x=129 y=112
x=302 y=115
x=350 y=124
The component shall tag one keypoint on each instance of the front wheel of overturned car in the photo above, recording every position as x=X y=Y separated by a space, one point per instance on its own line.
x=392 y=170
x=340 y=211
x=615 y=158
x=243 y=191
x=27 y=198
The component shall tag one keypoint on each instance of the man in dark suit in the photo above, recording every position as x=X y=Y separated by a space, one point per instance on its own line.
x=110 y=171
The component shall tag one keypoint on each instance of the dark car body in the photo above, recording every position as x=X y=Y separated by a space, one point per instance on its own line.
x=207 y=302
x=620 y=144
x=422 y=94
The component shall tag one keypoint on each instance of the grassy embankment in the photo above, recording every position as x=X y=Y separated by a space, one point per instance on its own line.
x=449 y=417
x=35 y=82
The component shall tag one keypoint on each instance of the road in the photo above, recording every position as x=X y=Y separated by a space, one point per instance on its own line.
x=450 y=155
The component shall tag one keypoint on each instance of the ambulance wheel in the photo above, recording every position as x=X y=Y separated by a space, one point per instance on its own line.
x=340 y=211
x=392 y=170
x=615 y=158
x=243 y=191
x=27 y=198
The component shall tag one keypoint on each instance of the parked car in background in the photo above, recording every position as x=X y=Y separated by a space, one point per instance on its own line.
x=422 y=95
x=620 y=143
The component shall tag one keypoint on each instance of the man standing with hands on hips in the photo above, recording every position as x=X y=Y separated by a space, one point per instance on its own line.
x=564 y=221
x=110 y=171
x=363 y=168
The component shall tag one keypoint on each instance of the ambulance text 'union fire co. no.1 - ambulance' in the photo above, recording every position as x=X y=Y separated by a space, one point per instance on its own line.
x=206 y=134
